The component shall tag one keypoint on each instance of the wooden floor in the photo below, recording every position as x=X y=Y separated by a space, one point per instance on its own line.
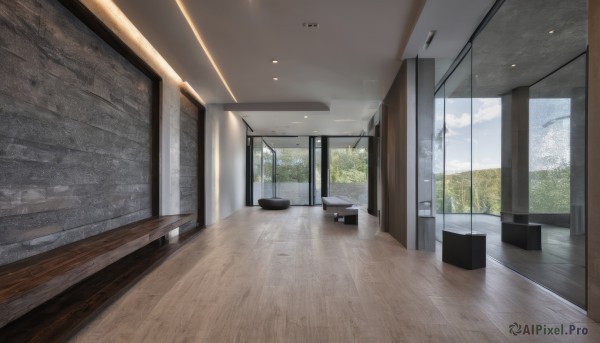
x=559 y=266
x=296 y=276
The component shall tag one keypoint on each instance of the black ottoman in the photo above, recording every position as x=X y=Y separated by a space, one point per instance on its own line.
x=274 y=203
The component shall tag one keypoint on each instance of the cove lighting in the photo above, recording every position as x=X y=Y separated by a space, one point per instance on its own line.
x=188 y=18
x=185 y=85
x=112 y=16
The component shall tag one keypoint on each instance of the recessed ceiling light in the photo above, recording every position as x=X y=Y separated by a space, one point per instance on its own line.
x=513 y=65
x=318 y=141
x=347 y=132
x=315 y=131
x=305 y=117
x=551 y=31
x=275 y=79
x=274 y=61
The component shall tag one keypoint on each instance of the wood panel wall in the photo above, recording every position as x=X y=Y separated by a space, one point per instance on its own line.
x=77 y=133
x=593 y=156
x=398 y=157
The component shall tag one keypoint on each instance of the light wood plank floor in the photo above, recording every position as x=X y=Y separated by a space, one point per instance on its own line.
x=296 y=276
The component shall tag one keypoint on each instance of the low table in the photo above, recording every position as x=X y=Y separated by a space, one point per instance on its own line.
x=348 y=216
x=341 y=209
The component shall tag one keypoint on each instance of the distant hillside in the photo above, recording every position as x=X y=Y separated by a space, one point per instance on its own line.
x=549 y=191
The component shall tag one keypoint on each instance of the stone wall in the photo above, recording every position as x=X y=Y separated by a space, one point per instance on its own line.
x=188 y=159
x=75 y=138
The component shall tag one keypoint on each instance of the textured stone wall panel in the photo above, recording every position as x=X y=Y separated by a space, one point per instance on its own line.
x=75 y=133
x=188 y=159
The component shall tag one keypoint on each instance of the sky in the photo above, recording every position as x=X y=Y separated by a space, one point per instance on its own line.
x=548 y=138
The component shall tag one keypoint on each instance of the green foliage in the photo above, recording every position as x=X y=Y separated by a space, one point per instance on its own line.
x=345 y=165
x=292 y=165
x=549 y=191
x=266 y=157
x=348 y=165
x=486 y=192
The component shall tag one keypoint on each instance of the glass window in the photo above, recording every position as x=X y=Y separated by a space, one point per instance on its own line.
x=438 y=162
x=348 y=168
x=317 y=180
x=262 y=168
x=457 y=182
x=528 y=138
x=291 y=168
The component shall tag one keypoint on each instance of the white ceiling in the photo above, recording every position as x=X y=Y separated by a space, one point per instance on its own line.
x=348 y=63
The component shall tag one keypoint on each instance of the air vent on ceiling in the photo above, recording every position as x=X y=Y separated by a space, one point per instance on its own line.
x=310 y=25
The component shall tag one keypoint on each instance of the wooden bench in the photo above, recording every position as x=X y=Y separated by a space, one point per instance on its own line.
x=30 y=282
x=523 y=235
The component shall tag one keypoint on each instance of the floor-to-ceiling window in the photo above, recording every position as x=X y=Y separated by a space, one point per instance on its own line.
x=438 y=161
x=509 y=139
x=348 y=166
x=458 y=168
x=263 y=164
x=292 y=168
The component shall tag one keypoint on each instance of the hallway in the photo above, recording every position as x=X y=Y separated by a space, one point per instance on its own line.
x=296 y=276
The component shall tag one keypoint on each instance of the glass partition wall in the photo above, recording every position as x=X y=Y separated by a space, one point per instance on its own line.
x=458 y=169
x=509 y=140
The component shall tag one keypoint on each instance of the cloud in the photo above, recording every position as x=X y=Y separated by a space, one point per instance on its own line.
x=486 y=109
x=458 y=121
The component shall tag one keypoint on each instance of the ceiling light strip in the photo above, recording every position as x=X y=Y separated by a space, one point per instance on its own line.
x=112 y=16
x=188 y=18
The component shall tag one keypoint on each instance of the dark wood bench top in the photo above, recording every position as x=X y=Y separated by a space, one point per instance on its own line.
x=30 y=282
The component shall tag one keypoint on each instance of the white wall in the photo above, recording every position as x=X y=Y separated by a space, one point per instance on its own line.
x=225 y=163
